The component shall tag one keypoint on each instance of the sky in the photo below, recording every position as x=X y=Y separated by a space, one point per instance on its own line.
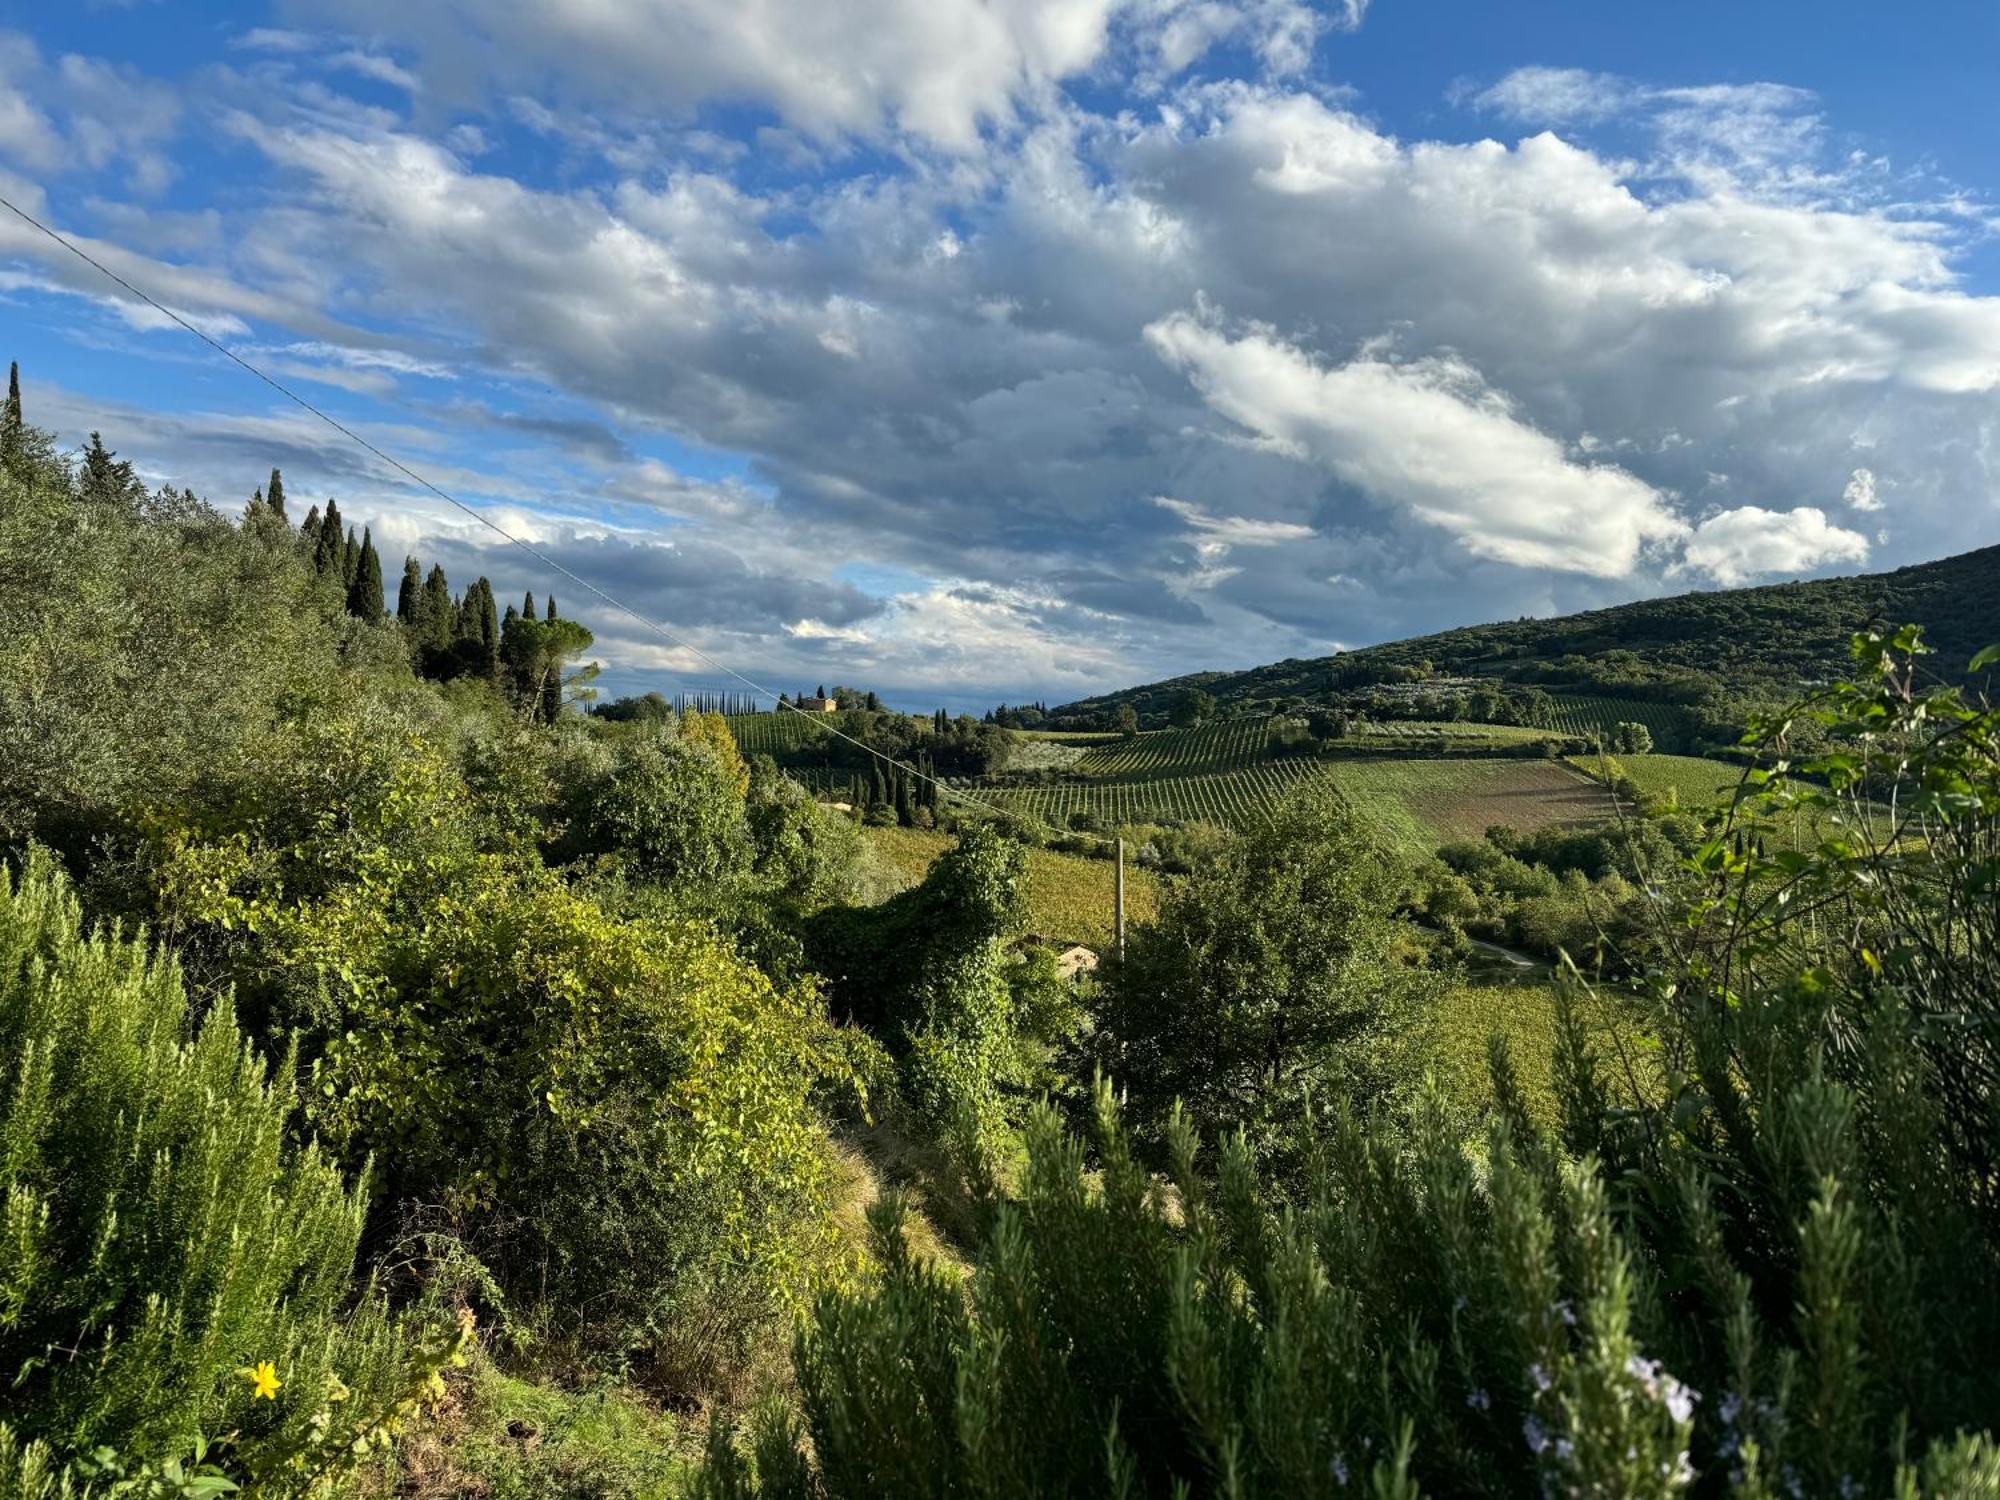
x=999 y=350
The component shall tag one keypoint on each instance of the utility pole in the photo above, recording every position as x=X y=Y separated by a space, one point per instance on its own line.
x=1119 y=886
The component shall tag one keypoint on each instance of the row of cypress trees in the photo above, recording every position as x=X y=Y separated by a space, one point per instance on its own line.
x=449 y=637
x=889 y=785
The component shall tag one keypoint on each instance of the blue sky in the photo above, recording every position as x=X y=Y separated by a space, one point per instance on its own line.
x=981 y=349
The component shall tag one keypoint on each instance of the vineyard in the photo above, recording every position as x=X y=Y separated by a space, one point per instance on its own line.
x=1693 y=782
x=1231 y=798
x=1444 y=733
x=776 y=734
x=1577 y=713
x=1179 y=752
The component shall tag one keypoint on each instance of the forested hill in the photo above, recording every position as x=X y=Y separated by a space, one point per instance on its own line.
x=1751 y=642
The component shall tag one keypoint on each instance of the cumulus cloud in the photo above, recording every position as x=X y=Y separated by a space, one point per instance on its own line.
x=937 y=70
x=1430 y=437
x=931 y=312
x=1859 y=493
x=1748 y=543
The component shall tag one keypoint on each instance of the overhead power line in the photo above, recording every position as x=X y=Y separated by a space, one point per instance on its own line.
x=721 y=667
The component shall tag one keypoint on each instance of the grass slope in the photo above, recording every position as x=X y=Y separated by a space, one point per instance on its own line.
x=1070 y=898
x=1419 y=804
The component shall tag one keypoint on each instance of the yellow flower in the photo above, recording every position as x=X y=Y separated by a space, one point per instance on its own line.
x=264 y=1378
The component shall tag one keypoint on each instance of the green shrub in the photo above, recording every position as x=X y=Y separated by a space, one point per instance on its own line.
x=162 y=1230
x=1270 y=974
x=925 y=972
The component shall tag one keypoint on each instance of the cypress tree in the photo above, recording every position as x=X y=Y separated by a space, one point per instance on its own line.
x=489 y=627
x=434 y=612
x=309 y=533
x=350 y=559
x=13 y=428
x=552 y=608
x=330 y=543
x=528 y=607
x=409 y=592
x=256 y=505
x=274 y=496
x=364 y=596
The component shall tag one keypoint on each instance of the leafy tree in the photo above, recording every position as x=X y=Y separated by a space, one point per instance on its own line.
x=1632 y=739
x=670 y=809
x=1270 y=975
x=103 y=481
x=924 y=971
x=1191 y=706
x=1126 y=721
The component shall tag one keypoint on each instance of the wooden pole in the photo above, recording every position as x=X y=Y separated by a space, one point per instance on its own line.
x=1120 y=887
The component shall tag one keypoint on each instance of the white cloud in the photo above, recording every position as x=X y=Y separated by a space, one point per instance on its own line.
x=937 y=70
x=1859 y=493
x=1428 y=437
x=1555 y=96
x=1740 y=545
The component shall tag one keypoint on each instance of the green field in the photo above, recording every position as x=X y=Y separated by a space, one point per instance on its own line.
x=1070 y=898
x=1693 y=781
x=1579 y=713
x=1419 y=804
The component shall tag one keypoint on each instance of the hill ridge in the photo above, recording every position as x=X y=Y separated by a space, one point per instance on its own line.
x=1688 y=647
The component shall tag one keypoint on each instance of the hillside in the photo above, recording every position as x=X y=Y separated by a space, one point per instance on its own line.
x=1681 y=649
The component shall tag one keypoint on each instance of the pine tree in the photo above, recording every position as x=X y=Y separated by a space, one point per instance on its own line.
x=274 y=496
x=364 y=595
x=330 y=543
x=409 y=592
x=13 y=427
x=103 y=481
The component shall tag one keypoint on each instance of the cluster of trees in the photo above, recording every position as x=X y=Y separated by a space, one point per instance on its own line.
x=533 y=653
x=417 y=1006
x=892 y=792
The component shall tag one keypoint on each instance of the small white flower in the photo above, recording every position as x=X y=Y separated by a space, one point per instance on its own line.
x=1539 y=1375
x=1339 y=1468
x=1532 y=1433
x=1478 y=1400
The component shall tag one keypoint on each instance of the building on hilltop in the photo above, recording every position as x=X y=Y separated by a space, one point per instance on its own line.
x=819 y=705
